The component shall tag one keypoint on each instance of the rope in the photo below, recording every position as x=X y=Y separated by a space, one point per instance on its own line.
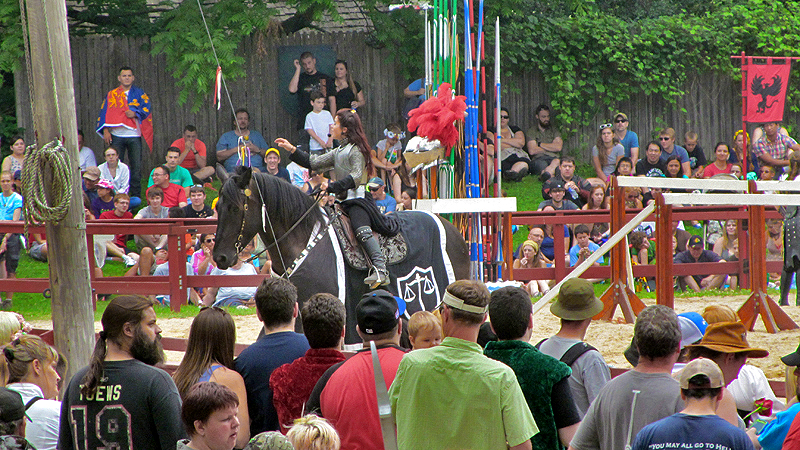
x=28 y=68
x=222 y=75
x=36 y=209
x=53 y=79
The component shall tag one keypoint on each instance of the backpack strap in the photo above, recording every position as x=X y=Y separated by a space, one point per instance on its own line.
x=31 y=402
x=575 y=352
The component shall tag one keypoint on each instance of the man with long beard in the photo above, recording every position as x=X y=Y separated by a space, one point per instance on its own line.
x=120 y=400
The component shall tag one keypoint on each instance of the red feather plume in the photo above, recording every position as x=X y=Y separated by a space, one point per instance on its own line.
x=435 y=118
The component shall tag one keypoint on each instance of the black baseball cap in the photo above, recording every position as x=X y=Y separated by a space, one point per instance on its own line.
x=378 y=311
x=11 y=406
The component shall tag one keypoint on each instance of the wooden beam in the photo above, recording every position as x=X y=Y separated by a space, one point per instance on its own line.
x=611 y=242
x=54 y=118
x=468 y=205
x=727 y=199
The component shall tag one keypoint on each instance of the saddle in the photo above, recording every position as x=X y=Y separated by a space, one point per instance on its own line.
x=394 y=248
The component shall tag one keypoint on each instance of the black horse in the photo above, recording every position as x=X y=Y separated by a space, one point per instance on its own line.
x=435 y=252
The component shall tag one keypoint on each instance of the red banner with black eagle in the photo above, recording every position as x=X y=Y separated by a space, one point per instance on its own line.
x=765 y=88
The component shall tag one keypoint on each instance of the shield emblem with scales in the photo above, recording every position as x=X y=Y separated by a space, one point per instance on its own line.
x=419 y=290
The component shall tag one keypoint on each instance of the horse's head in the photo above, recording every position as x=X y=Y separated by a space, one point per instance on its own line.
x=239 y=217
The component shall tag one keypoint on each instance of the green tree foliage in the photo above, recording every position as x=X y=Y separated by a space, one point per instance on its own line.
x=594 y=54
x=184 y=41
x=119 y=18
x=402 y=31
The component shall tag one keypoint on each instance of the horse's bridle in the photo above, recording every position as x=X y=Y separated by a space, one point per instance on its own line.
x=264 y=219
x=237 y=245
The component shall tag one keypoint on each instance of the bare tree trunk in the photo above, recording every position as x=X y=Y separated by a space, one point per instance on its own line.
x=54 y=103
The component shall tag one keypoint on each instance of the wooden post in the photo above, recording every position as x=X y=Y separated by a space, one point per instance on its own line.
x=619 y=293
x=665 y=294
x=54 y=102
x=759 y=303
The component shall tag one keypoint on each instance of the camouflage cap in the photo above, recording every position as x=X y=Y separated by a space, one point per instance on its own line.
x=268 y=440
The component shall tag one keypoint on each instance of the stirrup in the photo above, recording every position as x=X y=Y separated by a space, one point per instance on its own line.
x=377 y=278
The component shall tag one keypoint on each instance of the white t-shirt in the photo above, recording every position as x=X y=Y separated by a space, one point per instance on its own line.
x=319 y=122
x=242 y=293
x=86 y=157
x=752 y=385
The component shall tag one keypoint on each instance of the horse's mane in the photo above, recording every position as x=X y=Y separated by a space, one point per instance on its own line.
x=286 y=204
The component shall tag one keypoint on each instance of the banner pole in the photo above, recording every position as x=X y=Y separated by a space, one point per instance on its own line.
x=745 y=152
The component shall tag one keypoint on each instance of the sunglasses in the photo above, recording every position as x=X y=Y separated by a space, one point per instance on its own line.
x=620 y=121
x=662 y=138
x=504 y=117
x=392 y=134
x=209 y=240
x=606 y=125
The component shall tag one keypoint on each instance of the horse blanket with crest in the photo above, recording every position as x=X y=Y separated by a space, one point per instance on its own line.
x=419 y=267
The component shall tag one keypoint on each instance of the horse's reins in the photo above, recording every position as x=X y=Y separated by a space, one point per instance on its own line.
x=265 y=218
x=316 y=193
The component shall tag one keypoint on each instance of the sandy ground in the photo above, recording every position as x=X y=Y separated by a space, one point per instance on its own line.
x=611 y=338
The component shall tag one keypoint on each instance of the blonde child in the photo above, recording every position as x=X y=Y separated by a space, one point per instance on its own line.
x=424 y=330
x=312 y=432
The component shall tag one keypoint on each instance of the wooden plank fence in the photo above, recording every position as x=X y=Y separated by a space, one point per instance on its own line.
x=712 y=102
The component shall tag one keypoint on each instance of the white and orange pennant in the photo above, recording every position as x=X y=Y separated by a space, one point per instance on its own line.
x=218 y=88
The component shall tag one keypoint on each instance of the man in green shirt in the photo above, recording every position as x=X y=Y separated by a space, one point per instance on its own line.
x=544 y=380
x=544 y=144
x=428 y=380
x=177 y=174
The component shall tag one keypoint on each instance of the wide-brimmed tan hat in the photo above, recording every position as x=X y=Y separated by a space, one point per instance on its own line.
x=729 y=337
x=576 y=301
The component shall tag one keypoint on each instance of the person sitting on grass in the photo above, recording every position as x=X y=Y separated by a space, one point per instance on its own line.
x=583 y=248
x=119 y=246
x=198 y=207
x=11 y=245
x=38 y=248
x=695 y=253
x=642 y=250
x=720 y=163
x=177 y=174
x=532 y=258
x=234 y=296
x=557 y=201
x=172 y=194
x=153 y=210
x=105 y=197
x=767 y=173
x=148 y=261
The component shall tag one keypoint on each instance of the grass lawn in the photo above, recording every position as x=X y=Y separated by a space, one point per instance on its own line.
x=528 y=193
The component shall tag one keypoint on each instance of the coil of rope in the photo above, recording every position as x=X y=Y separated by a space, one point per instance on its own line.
x=36 y=208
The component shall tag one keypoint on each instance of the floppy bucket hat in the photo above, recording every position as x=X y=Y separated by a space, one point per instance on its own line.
x=576 y=301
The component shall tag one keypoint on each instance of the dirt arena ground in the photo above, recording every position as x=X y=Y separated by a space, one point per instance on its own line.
x=611 y=338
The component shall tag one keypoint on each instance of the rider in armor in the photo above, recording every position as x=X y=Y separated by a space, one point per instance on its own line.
x=352 y=167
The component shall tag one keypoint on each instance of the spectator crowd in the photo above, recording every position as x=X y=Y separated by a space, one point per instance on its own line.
x=465 y=375
x=690 y=384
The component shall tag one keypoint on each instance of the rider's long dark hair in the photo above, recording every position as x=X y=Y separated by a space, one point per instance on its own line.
x=349 y=119
x=121 y=310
